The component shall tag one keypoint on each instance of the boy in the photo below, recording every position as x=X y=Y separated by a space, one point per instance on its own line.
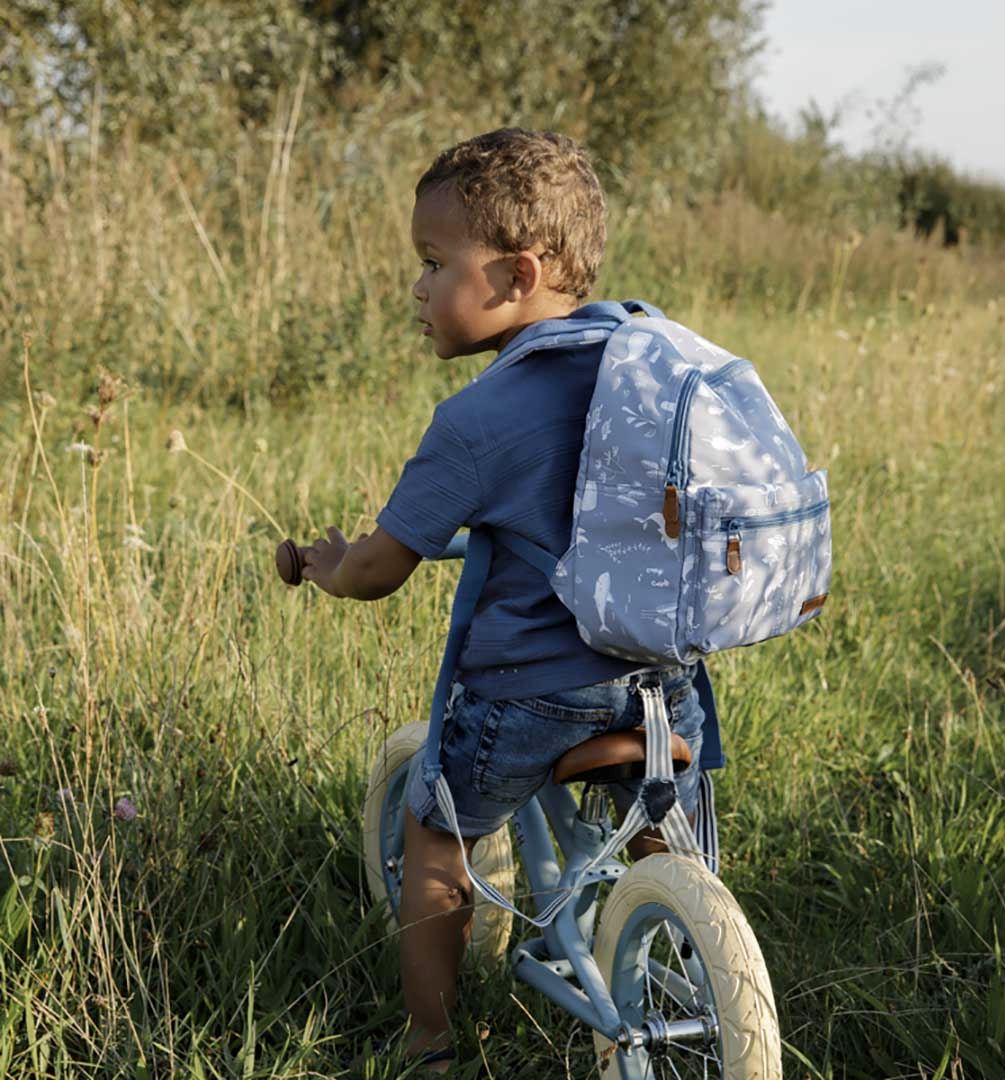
x=510 y=229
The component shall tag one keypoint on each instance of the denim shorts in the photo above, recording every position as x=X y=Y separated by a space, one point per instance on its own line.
x=497 y=754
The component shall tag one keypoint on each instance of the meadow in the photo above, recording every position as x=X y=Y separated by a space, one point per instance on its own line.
x=184 y=742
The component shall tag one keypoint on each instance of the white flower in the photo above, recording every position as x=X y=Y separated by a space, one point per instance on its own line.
x=81 y=448
x=136 y=543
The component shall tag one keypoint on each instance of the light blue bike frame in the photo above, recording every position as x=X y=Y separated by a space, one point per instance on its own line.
x=548 y=962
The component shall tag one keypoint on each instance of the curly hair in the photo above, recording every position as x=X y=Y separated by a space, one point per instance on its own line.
x=523 y=188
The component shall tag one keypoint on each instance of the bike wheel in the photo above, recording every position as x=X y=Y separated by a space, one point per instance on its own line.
x=673 y=945
x=383 y=847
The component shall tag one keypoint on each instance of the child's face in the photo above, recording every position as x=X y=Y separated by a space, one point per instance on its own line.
x=463 y=288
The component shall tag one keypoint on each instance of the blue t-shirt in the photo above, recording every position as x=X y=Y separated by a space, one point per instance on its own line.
x=504 y=452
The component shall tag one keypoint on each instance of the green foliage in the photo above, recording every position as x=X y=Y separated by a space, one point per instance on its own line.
x=161 y=70
x=643 y=81
x=659 y=89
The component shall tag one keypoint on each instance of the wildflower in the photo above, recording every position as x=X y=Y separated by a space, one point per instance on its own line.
x=40 y=711
x=44 y=400
x=81 y=448
x=176 y=442
x=136 y=543
x=124 y=810
x=65 y=796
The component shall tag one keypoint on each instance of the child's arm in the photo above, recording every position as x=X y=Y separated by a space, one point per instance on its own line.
x=373 y=567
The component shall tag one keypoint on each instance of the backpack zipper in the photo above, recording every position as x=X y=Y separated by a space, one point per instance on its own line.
x=783 y=517
x=677 y=471
x=734 y=526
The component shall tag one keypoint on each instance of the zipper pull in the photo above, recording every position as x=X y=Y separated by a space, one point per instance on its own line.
x=734 y=563
x=671 y=512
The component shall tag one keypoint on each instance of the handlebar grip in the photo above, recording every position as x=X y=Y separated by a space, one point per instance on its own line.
x=290 y=563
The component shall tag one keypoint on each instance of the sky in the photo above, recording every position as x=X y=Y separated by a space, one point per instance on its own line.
x=851 y=54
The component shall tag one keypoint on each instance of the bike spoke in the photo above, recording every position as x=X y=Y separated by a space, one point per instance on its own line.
x=676 y=989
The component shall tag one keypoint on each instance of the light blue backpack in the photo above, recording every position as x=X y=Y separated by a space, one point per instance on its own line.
x=696 y=525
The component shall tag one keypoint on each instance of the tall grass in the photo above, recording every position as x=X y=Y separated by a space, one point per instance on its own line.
x=185 y=742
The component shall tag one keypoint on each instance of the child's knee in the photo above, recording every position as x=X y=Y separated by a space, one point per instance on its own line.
x=434 y=866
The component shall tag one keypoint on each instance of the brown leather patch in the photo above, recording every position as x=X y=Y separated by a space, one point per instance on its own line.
x=733 y=563
x=671 y=512
x=813 y=603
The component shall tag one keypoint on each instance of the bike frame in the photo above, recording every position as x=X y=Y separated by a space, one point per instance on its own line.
x=562 y=953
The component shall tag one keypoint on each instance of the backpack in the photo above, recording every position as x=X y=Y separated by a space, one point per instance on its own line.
x=697 y=525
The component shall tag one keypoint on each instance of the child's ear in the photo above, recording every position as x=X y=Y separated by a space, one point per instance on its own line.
x=526 y=275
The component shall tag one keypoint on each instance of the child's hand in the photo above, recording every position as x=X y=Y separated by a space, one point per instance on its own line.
x=323 y=558
x=370 y=567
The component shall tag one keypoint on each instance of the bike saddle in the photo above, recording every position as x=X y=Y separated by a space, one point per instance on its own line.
x=619 y=755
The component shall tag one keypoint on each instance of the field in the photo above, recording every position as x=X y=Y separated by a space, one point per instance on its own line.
x=184 y=742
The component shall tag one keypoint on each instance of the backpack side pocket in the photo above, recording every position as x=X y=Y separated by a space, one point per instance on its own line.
x=762 y=562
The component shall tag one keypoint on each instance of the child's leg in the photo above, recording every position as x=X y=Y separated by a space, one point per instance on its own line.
x=436 y=909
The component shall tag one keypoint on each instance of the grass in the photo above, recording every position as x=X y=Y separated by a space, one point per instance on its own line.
x=149 y=653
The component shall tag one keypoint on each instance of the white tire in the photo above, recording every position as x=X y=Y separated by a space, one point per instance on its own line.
x=724 y=977
x=492 y=857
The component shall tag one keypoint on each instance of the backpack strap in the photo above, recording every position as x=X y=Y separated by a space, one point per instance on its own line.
x=640 y=307
x=538 y=557
x=477 y=559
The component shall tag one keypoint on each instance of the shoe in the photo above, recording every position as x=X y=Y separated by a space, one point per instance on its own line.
x=432 y=1057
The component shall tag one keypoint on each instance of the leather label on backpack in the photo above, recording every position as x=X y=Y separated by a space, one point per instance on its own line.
x=671 y=512
x=813 y=603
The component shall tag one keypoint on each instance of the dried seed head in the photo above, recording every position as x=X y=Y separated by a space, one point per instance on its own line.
x=176 y=442
x=110 y=387
x=45 y=825
x=44 y=400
